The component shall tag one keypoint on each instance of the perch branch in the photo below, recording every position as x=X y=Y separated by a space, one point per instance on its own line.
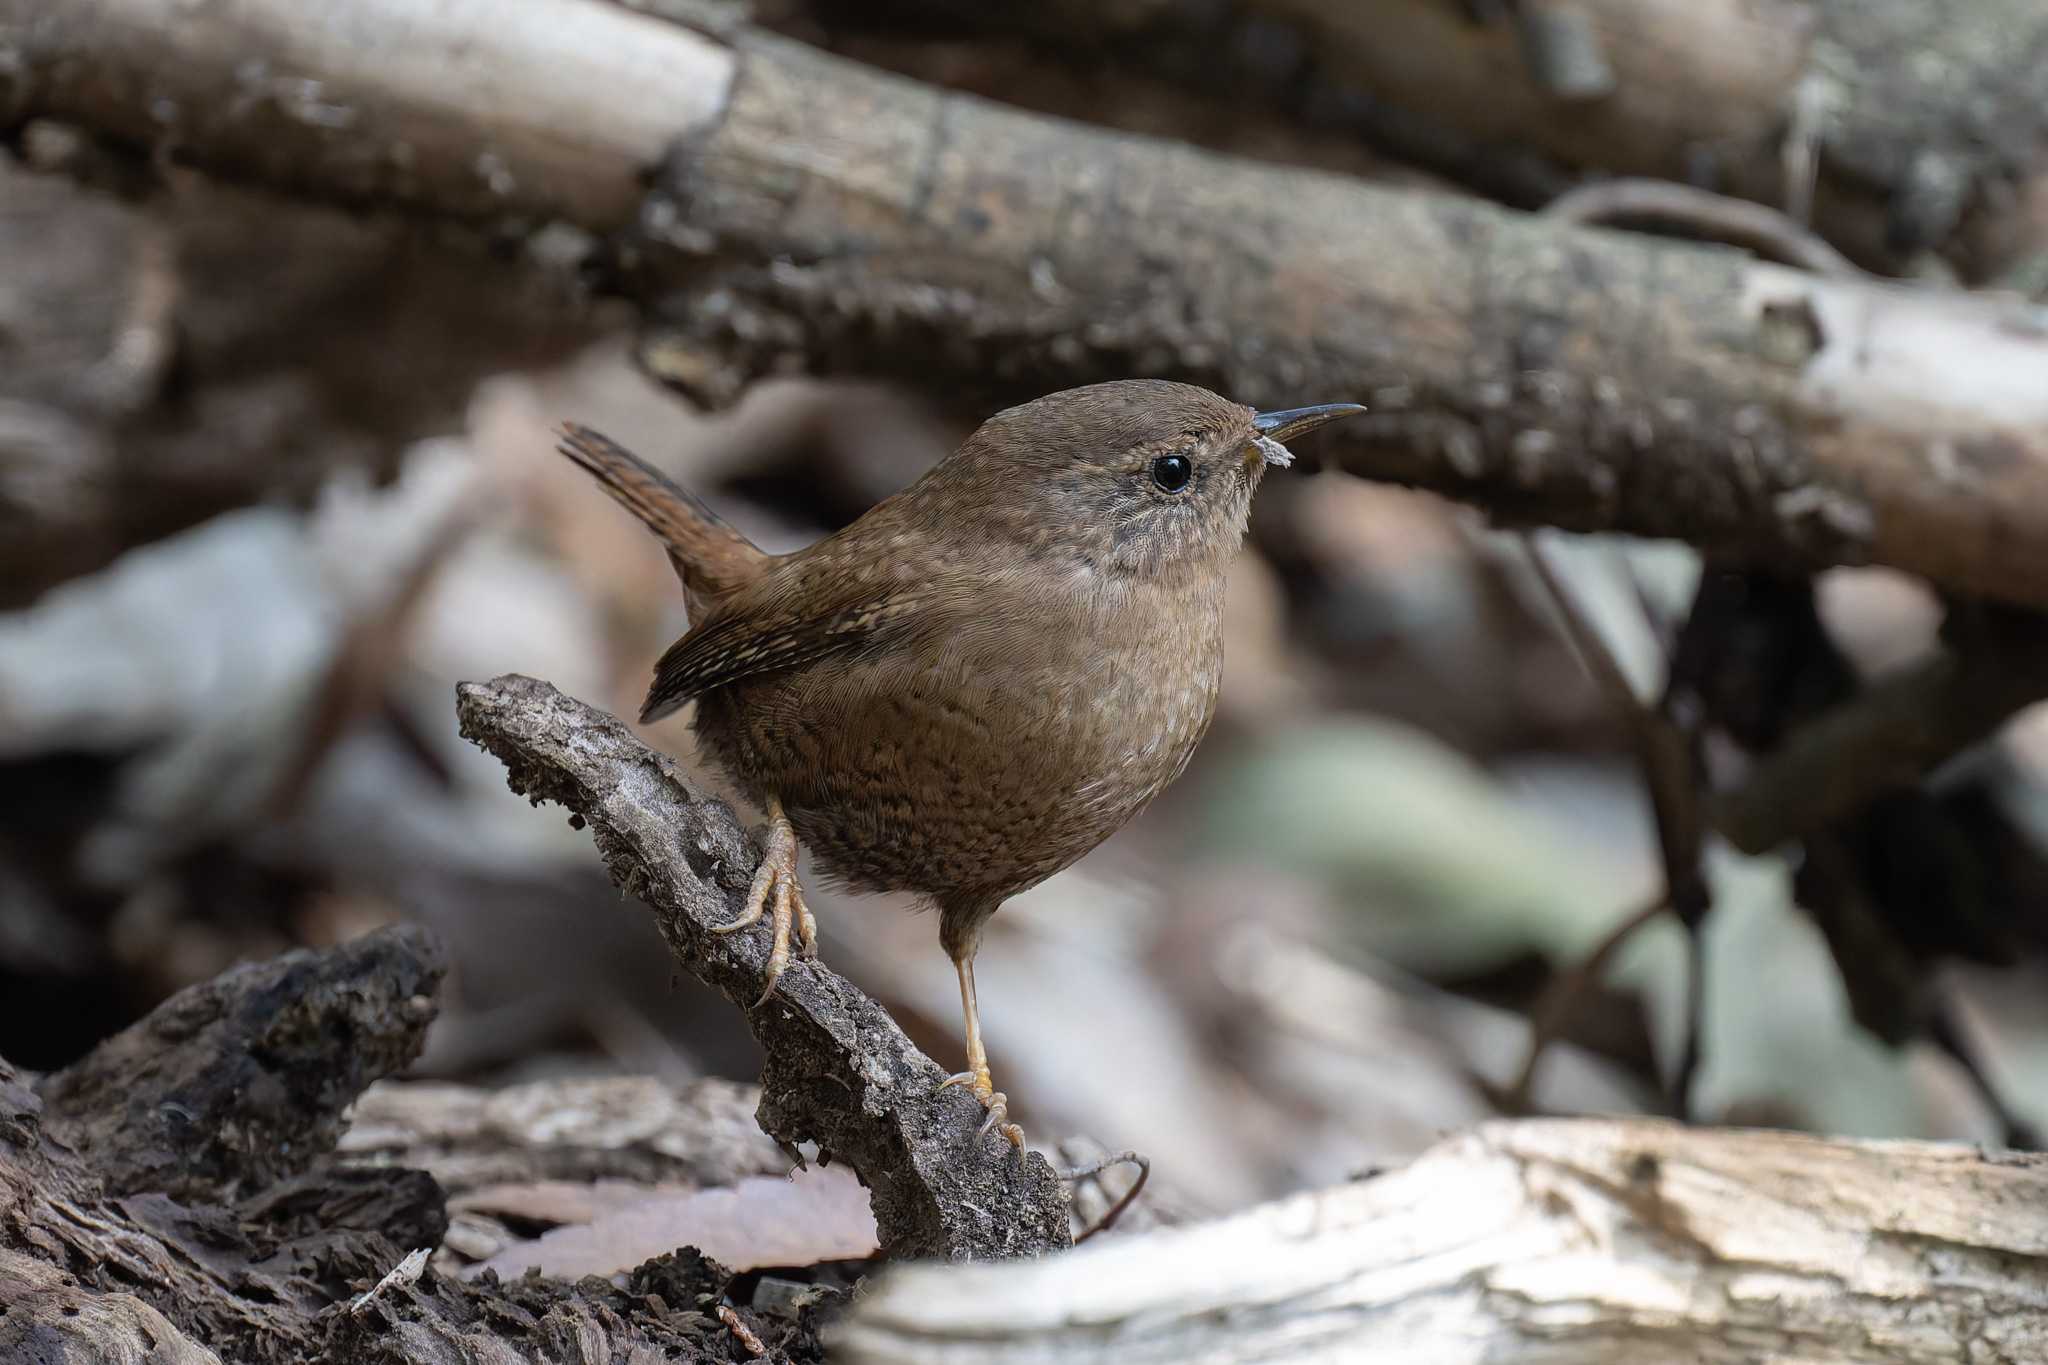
x=807 y=214
x=1592 y=1241
x=838 y=1071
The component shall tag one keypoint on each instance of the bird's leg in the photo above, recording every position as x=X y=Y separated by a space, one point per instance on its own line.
x=977 y=1074
x=775 y=891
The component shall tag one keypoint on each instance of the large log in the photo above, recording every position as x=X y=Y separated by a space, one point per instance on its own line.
x=828 y=218
x=1903 y=126
x=1586 y=1241
x=1910 y=124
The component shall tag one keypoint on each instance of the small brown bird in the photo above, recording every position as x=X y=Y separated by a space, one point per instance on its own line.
x=984 y=676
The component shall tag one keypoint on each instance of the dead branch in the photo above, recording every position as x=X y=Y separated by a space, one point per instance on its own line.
x=1590 y=1241
x=838 y=1071
x=830 y=219
x=1891 y=735
x=1897 y=126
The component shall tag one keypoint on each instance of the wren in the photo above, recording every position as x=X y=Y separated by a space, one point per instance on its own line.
x=985 y=675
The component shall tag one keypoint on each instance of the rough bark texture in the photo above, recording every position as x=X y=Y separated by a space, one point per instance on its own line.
x=838 y=1070
x=298 y=1269
x=245 y=1277
x=1555 y=1241
x=824 y=217
x=1584 y=378
x=239 y=1082
x=48 y=1318
x=1922 y=123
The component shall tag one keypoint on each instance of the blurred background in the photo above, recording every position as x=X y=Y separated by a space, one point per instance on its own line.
x=274 y=478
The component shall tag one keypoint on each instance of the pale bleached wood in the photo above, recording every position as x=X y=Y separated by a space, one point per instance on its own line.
x=1548 y=1241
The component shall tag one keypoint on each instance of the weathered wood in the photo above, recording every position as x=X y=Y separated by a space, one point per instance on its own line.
x=838 y=1070
x=1555 y=1241
x=574 y=1128
x=236 y=1083
x=47 y=1317
x=1921 y=122
x=827 y=218
x=247 y=1278
x=298 y=1269
x=1904 y=126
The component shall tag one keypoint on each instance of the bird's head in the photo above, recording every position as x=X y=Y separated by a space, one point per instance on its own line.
x=1137 y=476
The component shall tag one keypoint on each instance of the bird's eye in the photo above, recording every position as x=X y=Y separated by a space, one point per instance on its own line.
x=1172 y=472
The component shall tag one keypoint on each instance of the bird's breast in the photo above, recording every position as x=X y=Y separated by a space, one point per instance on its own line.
x=989 y=755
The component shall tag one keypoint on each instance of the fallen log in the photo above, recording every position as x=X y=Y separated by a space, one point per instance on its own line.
x=1899 y=126
x=808 y=214
x=1587 y=1241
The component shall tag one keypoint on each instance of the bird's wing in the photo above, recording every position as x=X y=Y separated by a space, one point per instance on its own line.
x=805 y=609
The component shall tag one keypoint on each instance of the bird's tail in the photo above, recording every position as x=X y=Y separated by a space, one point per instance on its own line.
x=709 y=555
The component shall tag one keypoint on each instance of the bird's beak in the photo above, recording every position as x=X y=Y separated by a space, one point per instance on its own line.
x=1274 y=428
x=1289 y=422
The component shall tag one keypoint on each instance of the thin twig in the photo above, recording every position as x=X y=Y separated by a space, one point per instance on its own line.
x=1592 y=651
x=749 y=1342
x=1665 y=751
x=1553 y=1008
x=406 y=1272
x=1129 y=1196
x=1688 y=1068
x=1738 y=222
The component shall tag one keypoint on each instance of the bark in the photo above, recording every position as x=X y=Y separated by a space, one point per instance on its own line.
x=215 y=348
x=245 y=1276
x=1907 y=126
x=838 y=1071
x=239 y=1082
x=827 y=218
x=311 y=1267
x=1917 y=117
x=1553 y=1241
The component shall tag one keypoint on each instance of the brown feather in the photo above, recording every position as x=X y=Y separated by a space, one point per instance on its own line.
x=710 y=557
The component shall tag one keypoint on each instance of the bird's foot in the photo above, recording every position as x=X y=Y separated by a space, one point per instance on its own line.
x=776 y=893
x=993 y=1100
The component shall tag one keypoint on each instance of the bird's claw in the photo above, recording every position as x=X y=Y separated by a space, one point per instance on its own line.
x=775 y=892
x=993 y=1100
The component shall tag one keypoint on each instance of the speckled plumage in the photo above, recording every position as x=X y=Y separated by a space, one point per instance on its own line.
x=990 y=672
x=1005 y=662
